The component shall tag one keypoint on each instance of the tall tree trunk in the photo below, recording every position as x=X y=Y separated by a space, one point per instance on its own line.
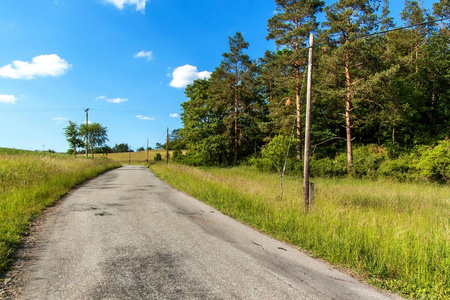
x=348 y=107
x=297 y=101
x=236 y=102
x=298 y=113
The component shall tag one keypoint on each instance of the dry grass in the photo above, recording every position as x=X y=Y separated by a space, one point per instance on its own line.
x=135 y=157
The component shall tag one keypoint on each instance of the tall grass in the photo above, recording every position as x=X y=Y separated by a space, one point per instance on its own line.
x=31 y=181
x=395 y=235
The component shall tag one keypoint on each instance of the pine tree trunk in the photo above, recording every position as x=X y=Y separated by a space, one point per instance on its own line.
x=299 y=119
x=348 y=107
x=236 y=102
x=297 y=100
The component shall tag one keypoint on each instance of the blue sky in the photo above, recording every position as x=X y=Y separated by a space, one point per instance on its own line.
x=128 y=61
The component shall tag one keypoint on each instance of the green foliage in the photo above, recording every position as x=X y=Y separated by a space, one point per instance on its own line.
x=274 y=155
x=73 y=137
x=402 y=168
x=95 y=135
x=423 y=163
x=367 y=160
x=328 y=167
x=434 y=164
x=157 y=157
x=177 y=155
x=123 y=147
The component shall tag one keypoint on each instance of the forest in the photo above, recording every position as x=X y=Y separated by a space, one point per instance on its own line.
x=380 y=97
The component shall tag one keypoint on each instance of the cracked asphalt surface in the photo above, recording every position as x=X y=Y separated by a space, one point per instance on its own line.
x=128 y=235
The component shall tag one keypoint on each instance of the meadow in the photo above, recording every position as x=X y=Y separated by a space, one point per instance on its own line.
x=139 y=157
x=393 y=235
x=32 y=181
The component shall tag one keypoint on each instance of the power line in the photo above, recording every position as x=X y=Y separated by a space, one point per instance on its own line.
x=82 y=109
x=400 y=28
x=305 y=50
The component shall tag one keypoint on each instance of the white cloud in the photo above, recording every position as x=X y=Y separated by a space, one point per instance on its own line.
x=174 y=115
x=141 y=117
x=59 y=120
x=40 y=66
x=117 y=100
x=184 y=75
x=11 y=99
x=100 y=97
x=139 y=4
x=144 y=54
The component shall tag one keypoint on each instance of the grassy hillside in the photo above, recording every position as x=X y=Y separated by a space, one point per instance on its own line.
x=31 y=181
x=395 y=235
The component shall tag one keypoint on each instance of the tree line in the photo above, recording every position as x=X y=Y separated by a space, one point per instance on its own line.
x=388 y=89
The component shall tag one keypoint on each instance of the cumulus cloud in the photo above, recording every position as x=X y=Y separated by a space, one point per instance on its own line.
x=144 y=54
x=184 y=75
x=11 y=99
x=117 y=100
x=120 y=4
x=59 y=120
x=141 y=117
x=40 y=66
x=174 y=115
x=100 y=97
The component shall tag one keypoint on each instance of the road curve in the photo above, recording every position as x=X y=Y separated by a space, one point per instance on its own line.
x=128 y=235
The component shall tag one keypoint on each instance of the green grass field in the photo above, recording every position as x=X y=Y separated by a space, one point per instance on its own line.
x=394 y=235
x=31 y=181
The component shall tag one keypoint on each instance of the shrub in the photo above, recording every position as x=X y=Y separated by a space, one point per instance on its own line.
x=434 y=163
x=157 y=157
x=327 y=167
x=273 y=156
x=401 y=169
x=367 y=159
x=177 y=155
x=192 y=159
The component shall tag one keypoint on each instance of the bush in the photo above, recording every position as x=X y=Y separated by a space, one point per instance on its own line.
x=327 y=167
x=434 y=163
x=157 y=157
x=263 y=164
x=192 y=159
x=401 y=169
x=273 y=156
x=367 y=159
x=177 y=155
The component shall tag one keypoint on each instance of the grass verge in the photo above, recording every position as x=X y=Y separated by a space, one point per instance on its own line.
x=31 y=181
x=394 y=235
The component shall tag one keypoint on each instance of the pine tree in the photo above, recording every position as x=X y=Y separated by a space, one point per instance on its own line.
x=236 y=65
x=290 y=27
x=349 y=20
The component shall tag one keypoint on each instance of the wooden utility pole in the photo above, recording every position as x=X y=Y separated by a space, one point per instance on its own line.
x=147 y=150
x=306 y=183
x=167 y=146
x=87 y=131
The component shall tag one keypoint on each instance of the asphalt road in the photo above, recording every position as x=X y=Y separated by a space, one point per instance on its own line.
x=128 y=235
